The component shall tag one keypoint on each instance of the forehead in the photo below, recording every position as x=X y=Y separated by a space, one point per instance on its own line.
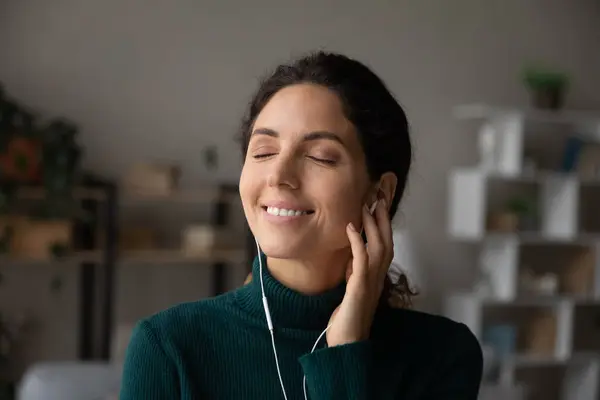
x=303 y=108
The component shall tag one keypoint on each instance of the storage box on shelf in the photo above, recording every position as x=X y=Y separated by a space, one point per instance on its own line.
x=532 y=205
x=37 y=240
x=215 y=241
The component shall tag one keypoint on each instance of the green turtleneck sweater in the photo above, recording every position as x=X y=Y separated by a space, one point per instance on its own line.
x=220 y=348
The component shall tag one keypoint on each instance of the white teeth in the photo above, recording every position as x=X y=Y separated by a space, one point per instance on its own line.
x=282 y=212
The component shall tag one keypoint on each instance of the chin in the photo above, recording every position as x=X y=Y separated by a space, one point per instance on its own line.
x=278 y=248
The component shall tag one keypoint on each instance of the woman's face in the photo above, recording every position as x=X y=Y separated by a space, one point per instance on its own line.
x=304 y=177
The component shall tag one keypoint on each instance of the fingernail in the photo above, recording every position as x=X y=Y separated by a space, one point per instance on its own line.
x=351 y=227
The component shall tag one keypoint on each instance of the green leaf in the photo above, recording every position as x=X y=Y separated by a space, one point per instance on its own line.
x=21 y=162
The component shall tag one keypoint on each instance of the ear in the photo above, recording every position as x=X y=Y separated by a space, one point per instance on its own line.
x=387 y=187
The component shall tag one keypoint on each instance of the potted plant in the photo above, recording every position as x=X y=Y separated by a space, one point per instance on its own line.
x=524 y=210
x=46 y=156
x=547 y=87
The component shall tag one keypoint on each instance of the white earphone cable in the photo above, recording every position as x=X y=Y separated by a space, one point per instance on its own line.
x=312 y=351
x=269 y=321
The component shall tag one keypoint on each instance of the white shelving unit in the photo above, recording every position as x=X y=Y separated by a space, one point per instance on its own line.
x=561 y=233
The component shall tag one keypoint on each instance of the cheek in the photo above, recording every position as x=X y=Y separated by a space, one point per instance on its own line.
x=344 y=201
x=247 y=186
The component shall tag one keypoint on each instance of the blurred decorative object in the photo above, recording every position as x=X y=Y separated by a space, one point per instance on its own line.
x=502 y=339
x=153 y=179
x=200 y=239
x=540 y=334
x=37 y=239
x=588 y=165
x=137 y=238
x=484 y=286
x=547 y=87
x=20 y=160
x=503 y=221
x=578 y=275
x=526 y=212
x=538 y=284
x=572 y=152
x=487 y=148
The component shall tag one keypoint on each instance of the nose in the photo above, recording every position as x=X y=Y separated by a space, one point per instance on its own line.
x=283 y=172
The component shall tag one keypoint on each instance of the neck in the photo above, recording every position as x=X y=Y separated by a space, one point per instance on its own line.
x=310 y=276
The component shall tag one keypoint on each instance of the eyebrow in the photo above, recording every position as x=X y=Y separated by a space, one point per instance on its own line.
x=316 y=135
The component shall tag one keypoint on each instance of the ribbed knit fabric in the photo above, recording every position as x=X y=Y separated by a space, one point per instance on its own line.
x=220 y=348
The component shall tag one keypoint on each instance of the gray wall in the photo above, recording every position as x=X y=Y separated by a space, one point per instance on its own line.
x=162 y=79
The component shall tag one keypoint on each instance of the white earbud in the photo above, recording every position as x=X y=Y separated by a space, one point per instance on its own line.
x=373 y=206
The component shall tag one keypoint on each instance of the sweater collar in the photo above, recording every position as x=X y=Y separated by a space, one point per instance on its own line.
x=289 y=308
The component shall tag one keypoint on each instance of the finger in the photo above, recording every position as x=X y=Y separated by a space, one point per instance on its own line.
x=386 y=234
x=359 y=252
x=349 y=270
x=374 y=245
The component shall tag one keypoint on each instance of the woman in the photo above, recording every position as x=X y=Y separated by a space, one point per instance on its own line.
x=324 y=144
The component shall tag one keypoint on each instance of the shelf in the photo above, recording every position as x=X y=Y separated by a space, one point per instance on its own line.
x=540 y=176
x=175 y=256
x=531 y=301
x=183 y=196
x=75 y=258
x=533 y=360
x=562 y=200
x=541 y=238
x=531 y=205
x=35 y=193
x=486 y=111
x=137 y=257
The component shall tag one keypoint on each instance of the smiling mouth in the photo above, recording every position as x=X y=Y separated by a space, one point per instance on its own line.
x=282 y=212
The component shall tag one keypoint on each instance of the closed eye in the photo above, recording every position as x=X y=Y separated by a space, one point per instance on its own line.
x=260 y=156
x=322 y=160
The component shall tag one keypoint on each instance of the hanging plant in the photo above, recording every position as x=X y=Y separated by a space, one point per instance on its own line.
x=61 y=157
x=41 y=155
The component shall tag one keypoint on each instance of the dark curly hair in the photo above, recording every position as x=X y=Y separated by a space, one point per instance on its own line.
x=378 y=118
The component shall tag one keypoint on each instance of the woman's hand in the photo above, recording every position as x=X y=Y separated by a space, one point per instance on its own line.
x=351 y=321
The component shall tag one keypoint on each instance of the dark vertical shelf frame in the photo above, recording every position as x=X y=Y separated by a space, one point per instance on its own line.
x=107 y=304
x=97 y=279
x=220 y=218
x=85 y=239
